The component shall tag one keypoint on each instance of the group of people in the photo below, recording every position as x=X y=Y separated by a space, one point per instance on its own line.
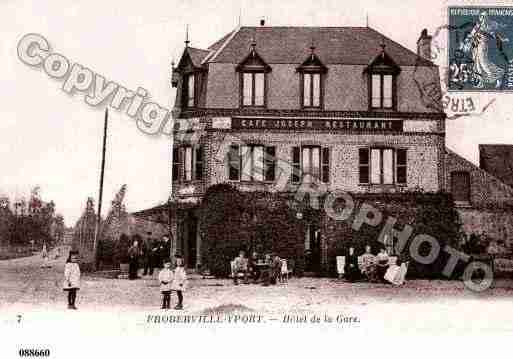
x=259 y=268
x=170 y=280
x=375 y=268
x=151 y=254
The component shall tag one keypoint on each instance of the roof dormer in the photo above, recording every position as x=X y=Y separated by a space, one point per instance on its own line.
x=312 y=63
x=253 y=62
x=383 y=63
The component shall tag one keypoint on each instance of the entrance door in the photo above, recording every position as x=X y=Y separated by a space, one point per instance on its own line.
x=191 y=242
x=312 y=249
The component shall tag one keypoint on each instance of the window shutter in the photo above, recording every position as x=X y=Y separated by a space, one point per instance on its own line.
x=176 y=163
x=401 y=166
x=234 y=163
x=363 y=154
x=270 y=156
x=296 y=166
x=199 y=163
x=325 y=167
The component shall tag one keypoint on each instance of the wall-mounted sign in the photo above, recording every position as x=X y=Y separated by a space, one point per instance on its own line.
x=318 y=124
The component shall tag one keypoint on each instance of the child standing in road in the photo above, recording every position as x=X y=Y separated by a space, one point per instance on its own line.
x=72 y=278
x=179 y=283
x=165 y=279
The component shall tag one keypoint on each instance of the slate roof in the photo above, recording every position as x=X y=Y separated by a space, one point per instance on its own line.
x=333 y=45
x=197 y=55
x=498 y=161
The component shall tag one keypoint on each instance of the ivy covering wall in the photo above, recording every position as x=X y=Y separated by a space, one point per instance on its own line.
x=266 y=222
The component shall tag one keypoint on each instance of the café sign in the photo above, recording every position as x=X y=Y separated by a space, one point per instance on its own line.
x=318 y=124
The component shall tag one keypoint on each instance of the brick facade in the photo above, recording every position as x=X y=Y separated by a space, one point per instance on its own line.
x=345 y=95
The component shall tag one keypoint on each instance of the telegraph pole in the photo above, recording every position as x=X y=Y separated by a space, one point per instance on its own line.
x=100 y=195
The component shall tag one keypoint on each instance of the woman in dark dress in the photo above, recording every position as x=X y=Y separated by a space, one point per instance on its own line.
x=133 y=259
x=351 y=266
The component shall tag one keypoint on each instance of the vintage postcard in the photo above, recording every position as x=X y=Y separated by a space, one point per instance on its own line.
x=180 y=177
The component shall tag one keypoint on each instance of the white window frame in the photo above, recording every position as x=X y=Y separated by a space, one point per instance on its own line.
x=382 y=91
x=253 y=89
x=312 y=83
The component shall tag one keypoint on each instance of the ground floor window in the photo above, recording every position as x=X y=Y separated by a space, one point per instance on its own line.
x=382 y=165
x=251 y=163
x=311 y=162
x=187 y=163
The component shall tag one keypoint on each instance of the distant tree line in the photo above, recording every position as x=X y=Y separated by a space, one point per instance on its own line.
x=24 y=222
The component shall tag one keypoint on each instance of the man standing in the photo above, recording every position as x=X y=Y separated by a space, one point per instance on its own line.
x=149 y=255
x=133 y=259
x=165 y=249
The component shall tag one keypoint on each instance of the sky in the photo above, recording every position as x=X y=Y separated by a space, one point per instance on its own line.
x=52 y=139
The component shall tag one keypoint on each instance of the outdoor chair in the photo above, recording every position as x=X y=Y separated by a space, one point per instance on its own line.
x=360 y=262
x=233 y=272
x=284 y=277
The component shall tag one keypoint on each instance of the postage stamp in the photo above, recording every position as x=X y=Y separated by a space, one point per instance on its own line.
x=298 y=172
x=480 y=49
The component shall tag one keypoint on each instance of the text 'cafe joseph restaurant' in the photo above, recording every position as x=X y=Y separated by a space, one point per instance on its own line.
x=340 y=103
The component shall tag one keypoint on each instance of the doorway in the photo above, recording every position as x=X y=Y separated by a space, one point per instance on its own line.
x=191 y=242
x=312 y=250
x=187 y=240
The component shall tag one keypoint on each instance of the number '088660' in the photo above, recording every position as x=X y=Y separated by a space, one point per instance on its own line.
x=34 y=353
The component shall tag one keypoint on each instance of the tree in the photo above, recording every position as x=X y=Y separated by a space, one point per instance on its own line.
x=6 y=219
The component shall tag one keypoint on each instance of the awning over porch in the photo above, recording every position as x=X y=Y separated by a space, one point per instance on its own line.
x=162 y=212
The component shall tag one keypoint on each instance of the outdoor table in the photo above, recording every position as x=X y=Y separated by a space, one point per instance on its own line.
x=263 y=268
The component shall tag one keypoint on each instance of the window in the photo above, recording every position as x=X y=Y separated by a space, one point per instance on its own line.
x=382 y=91
x=460 y=186
x=312 y=71
x=189 y=90
x=311 y=90
x=253 y=88
x=252 y=71
x=251 y=163
x=188 y=163
x=382 y=166
x=312 y=162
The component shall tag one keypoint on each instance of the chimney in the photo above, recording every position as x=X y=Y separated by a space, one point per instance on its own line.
x=262 y=22
x=424 y=45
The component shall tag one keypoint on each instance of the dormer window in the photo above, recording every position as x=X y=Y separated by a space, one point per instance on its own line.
x=189 y=90
x=253 y=72
x=311 y=72
x=382 y=73
x=381 y=91
x=311 y=90
x=253 y=88
x=190 y=70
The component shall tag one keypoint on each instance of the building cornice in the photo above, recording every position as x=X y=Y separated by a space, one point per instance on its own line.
x=321 y=114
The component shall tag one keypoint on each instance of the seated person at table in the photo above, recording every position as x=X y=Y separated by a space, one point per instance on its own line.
x=351 y=267
x=368 y=263
x=266 y=270
x=253 y=269
x=382 y=264
x=240 y=265
x=396 y=272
